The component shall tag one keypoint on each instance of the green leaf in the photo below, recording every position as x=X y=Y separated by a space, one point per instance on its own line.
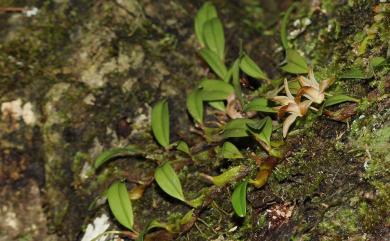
x=296 y=64
x=257 y=124
x=283 y=27
x=236 y=80
x=265 y=134
x=231 y=151
x=249 y=67
x=216 y=85
x=114 y=153
x=259 y=104
x=227 y=176
x=182 y=146
x=239 y=199
x=213 y=95
x=160 y=122
x=205 y=13
x=214 y=37
x=214 y=62
x=236 y=128
x=337 y=99
x=169 y=182
x=218 y=104
x=120 y=204
x=355 y=73
x=195 y=105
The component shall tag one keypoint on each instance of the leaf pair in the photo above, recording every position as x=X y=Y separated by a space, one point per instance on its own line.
x=261 y=129
x=209 y=30
x=210 y=90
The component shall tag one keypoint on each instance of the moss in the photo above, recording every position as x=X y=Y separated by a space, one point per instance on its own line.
x=341 y=222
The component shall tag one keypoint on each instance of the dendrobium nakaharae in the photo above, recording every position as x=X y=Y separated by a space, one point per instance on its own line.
x=311 y=89
x=292 y=105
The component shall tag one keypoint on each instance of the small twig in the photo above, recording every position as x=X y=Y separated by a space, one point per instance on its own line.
x=12 y=10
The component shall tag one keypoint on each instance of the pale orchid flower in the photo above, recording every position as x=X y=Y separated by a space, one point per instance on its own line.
x=311 y=89
x=292 y=105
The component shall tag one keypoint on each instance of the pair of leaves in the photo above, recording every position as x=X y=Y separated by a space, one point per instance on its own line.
x=337 y=99
x=120 y=204
x=239 y=199
x=168 y=181
x=211 y=90
x=209 y=30
x=114 y=153
x=249 y=67
x=261 y=129
x=259 y=104
x=160 y=123
x=229 y=150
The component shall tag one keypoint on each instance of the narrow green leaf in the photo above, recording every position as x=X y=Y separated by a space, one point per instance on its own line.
x=236 y=128
x=216 y=85
x=214 y=37
x=337 y=99
x=195 y=105
x=214 y=62
x=296 y=64
x=169 y=182
x=283 y=27
x=265 y=134
x=239 y=199
x=259 y=104
x=249 y=67
x=236 y=80
x=205 y=13
x=120 y=204
x=355 y=73
x=114 y=153
x=230 y=151
x=160 y=122
x=182 y=146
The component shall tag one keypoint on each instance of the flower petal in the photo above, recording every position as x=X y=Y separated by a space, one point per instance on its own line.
x=284 y=100
x=304 y=81
x=288 y=93
x=304 y=106
x=325 y=84
x=313 y=80
x=287 y=123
